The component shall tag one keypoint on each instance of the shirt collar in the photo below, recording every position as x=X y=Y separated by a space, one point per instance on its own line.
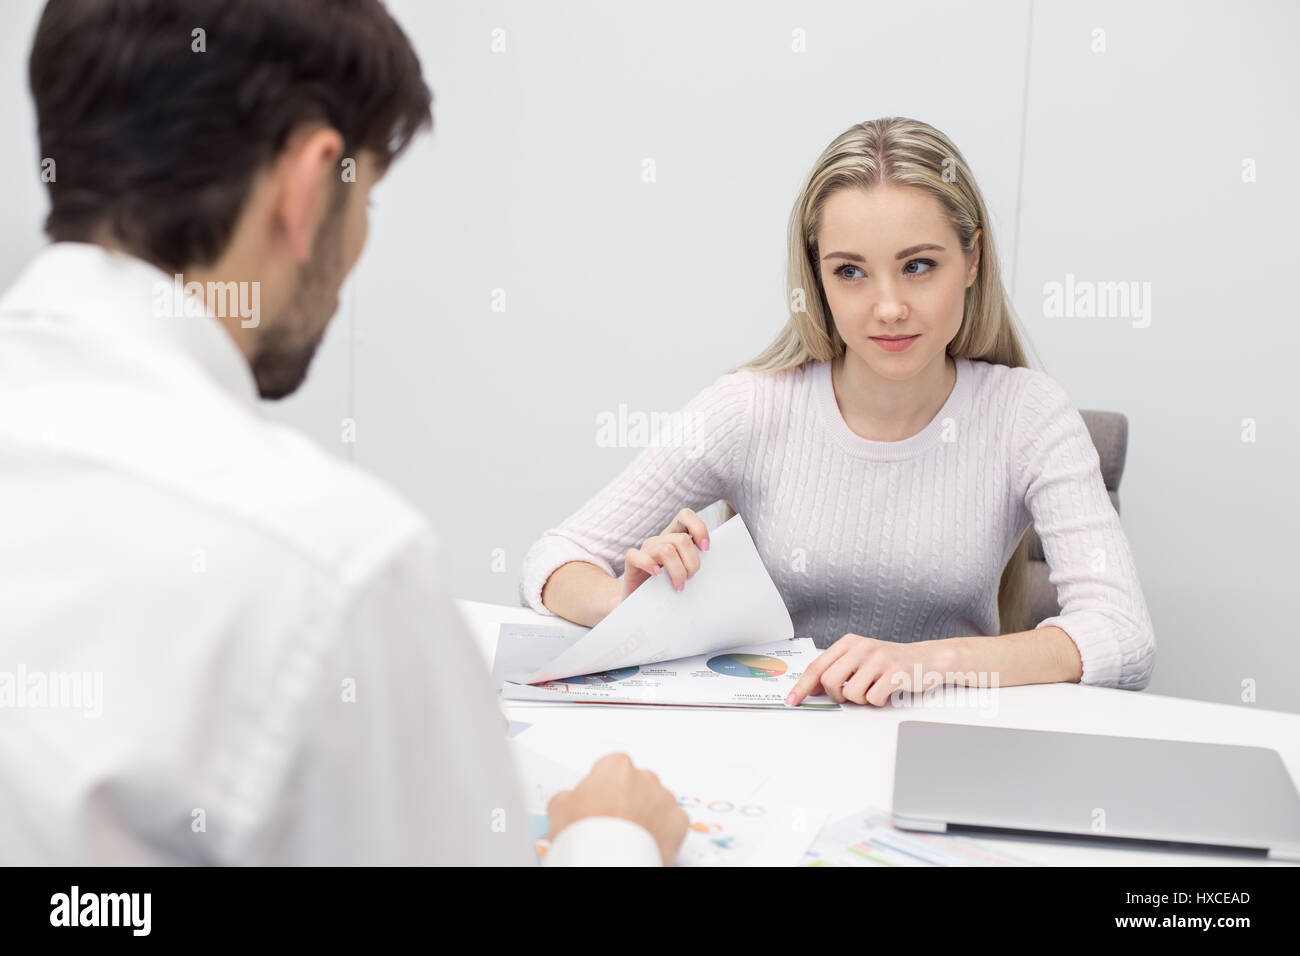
x=93 y=290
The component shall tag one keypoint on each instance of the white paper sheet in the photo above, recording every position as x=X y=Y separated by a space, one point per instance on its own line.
x=868 y=838
x=730 y=602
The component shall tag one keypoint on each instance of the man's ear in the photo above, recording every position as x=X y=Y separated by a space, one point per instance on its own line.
x=308 y=178
x=973 y=269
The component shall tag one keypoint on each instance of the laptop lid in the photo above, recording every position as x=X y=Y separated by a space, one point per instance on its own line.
x=949 y=776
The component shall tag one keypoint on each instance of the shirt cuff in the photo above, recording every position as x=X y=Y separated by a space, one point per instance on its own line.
x=546 y=555
x=604 y=841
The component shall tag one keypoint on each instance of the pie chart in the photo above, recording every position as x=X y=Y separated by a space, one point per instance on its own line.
x=604 y=677
x=747 y=665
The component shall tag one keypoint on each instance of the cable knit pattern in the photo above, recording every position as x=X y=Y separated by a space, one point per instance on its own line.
x=902 y=541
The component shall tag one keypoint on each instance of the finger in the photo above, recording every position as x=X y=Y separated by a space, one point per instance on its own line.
x=879 y=693
x=687 y=551
x=837 y=675
x=860 y=684
x=890 y=681
x=612 y=761
x=691 y=523
x=811 y=679
x=636 y=558
x=832 y=690
x=666 y=554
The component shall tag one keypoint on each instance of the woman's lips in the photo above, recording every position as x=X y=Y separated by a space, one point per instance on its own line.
x=895 y=344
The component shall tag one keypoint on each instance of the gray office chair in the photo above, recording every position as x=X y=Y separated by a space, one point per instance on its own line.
x=1109 y=432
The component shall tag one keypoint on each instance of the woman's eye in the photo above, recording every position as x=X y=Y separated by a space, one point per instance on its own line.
x=842 y=271
x=928 y=263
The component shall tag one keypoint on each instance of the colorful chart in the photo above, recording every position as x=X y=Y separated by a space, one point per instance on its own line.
x=747 y=665
x=604 y=677
x=720 y=806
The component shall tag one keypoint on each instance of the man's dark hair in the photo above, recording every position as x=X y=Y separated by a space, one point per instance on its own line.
x=157 y=144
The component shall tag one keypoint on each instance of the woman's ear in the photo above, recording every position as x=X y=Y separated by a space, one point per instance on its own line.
x=973 y=269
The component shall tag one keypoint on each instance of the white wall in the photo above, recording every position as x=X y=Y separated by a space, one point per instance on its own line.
x=1133 y=171
x=1111 y=166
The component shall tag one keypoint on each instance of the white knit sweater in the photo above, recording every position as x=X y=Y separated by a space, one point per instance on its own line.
x=901 y=541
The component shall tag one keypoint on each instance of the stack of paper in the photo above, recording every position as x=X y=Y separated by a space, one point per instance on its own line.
x=726 y=640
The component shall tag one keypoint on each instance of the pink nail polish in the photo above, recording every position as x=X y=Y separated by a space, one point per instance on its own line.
x=789 y=700
x=704 y=545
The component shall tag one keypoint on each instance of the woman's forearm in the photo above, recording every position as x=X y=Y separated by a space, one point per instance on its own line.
x=582 y=593
x=1046 y=655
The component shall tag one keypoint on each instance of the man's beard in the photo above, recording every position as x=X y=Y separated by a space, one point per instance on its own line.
x=286 y=346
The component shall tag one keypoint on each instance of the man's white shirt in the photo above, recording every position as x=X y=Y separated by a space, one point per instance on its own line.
x=218 y=643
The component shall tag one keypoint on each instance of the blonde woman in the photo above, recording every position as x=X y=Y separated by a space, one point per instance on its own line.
x=888 y=452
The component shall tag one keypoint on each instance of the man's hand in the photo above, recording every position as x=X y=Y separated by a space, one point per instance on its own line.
x=866 y=671
x=616 y=788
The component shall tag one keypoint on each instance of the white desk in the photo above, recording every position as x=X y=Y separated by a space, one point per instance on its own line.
x=846 y=759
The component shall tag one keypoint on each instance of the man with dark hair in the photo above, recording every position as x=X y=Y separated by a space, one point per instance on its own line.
x=228 y=646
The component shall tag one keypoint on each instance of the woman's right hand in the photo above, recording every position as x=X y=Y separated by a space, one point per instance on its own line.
x=675 y=550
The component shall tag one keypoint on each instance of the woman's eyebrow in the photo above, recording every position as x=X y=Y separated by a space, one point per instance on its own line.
x=912 y=250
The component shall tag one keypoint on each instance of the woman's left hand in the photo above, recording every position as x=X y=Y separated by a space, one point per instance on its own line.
x=865 y=670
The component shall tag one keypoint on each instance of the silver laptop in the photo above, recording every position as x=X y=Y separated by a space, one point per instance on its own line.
x=950 y=777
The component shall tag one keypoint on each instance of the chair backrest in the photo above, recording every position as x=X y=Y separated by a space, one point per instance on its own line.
x=1109 y=432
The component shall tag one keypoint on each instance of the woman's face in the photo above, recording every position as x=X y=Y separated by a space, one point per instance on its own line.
x=891 y=265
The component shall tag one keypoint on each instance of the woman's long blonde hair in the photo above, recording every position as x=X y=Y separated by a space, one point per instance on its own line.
x=903 y=152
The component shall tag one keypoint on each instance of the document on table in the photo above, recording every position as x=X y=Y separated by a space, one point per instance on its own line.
x=868 y=838
x=728 y=826
x=759 y=675
x=730 y=602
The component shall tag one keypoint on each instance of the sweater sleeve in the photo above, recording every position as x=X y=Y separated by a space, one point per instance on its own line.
x=697 y=462
x=1088 y=556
